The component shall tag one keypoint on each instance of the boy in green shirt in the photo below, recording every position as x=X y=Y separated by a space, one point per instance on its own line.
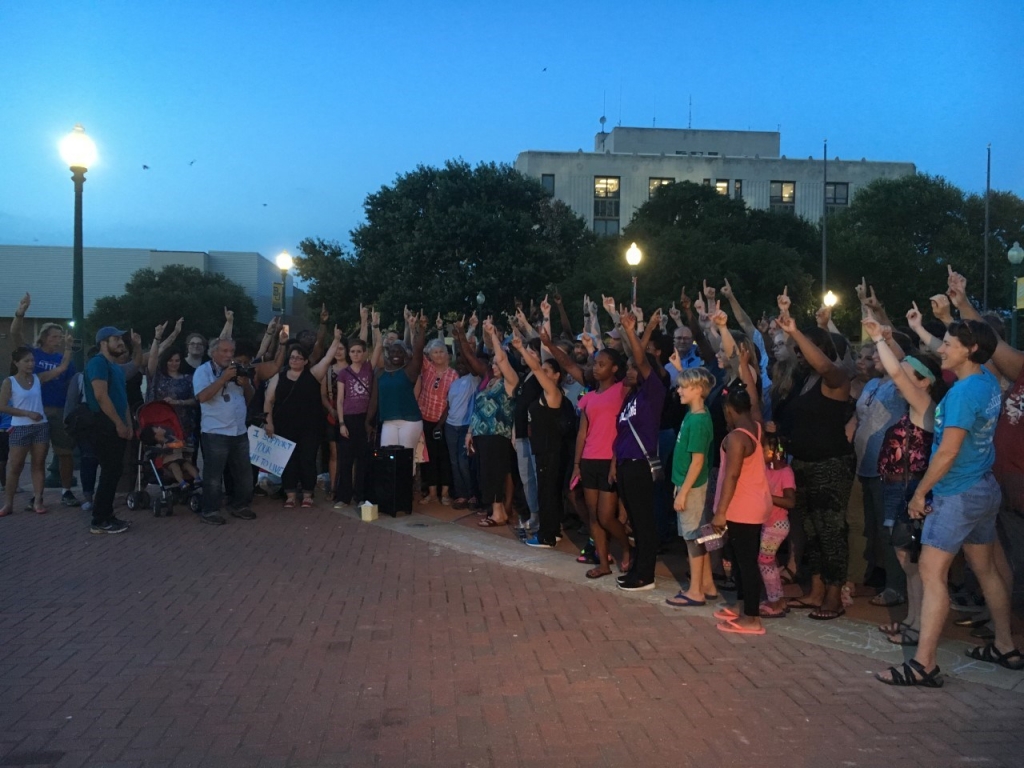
x=690 y=478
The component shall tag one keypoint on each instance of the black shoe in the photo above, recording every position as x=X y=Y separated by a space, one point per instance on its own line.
x=243 y=514
x=624 y=577
x=212 y=518
x=119 y=521
x=110 y=526
x=68 y=499
x=633 y=584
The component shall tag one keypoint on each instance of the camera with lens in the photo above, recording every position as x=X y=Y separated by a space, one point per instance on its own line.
x=243 y=371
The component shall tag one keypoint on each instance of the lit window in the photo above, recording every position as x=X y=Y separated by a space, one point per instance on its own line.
x=782 y=196
x=606 y=205
x=653 y=184
x=722 y=186
x=547 y=181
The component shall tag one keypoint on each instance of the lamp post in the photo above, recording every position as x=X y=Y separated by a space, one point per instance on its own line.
x=284 y=262
x=79 y=152
x=830 y=300
x=480 y=299
x=1015 y=255
x=633 y=257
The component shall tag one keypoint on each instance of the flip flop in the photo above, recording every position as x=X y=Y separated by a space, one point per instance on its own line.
x=725 y=614
x=490 y=522
x=736 y=629
x=798 y=604
x=787 y=575
x=682 y=601
x=597 y=573
x=822 y=614
x=769 y=613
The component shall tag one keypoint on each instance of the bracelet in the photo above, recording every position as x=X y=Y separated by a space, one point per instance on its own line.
x=879 y=339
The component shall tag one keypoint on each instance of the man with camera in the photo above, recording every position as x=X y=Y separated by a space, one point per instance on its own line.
x=223 y=388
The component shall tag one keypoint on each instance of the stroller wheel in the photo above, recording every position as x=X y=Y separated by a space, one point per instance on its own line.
x=194 y=502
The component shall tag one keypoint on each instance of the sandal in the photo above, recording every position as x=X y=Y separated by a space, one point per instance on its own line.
x=971 y=623
x=39 y=510
x=894 y=627
x=888 y=598
x=490 y=522
x=984 y=632
x=798 y=604
x=825 y=614
x=597 y=573
x=682 y=601
x=738 y=629
x=725 y=613
x=767 y=612
x=912 y=674
x=992 y=656
x=787 y=575
x=428 y=500
x=909 y=636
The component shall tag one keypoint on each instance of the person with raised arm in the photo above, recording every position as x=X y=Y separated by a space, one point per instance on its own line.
x=393 y=399
x=813 y=420
x=902 y=461
x=635 y=449
x=551 y=417
x=490 y=430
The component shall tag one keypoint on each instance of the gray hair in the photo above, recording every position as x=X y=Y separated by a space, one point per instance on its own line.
x=216 y=343
x=434 y=344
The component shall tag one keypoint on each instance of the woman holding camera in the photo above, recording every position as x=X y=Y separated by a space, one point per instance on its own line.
x=294 y=412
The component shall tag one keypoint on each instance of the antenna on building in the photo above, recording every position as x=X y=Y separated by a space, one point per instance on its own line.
x=654 y=120
x=604 y=110
x=620 y=102
x=689 y=119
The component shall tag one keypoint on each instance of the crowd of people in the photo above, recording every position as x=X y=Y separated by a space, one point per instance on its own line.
x=696 y=423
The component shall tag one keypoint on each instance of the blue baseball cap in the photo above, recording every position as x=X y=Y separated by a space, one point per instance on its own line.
x=107 y=331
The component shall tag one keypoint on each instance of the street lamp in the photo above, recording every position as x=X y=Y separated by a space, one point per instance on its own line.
x=1015 y=255
x=480 y=299
x=831 y=299
x=633 y=257
x=79 y=152
x=284 y=262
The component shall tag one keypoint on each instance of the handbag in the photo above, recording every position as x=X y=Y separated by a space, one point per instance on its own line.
x=657 y=470
x=906 y=531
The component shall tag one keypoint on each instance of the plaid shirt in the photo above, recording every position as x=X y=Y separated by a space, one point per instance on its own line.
x=434 y=391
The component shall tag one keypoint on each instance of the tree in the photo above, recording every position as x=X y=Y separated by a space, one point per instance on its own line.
x=438 y=236
x=330 y=273
x=900 y=234
x=151 y=298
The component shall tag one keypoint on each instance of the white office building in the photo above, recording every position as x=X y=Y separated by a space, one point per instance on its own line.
x=608 y=185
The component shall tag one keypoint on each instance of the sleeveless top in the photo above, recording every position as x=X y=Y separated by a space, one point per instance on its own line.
x=297 y=406
x=815 y=425
x=396 y=398
x=547 y=426
x=30 y=399
x=906 y=449
x=494 y=412
x=752 y=500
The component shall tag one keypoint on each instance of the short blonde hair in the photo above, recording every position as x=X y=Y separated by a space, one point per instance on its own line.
x=697 y=377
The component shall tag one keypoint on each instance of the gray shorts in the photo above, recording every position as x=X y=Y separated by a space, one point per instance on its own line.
x=28 y=435
x=689 y=521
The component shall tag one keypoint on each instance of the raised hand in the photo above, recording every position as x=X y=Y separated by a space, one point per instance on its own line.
x=698 y=305
x=718 y=316
x=684 y=301
x=639 y=313
x=588 y=343
x=337 y=333
x=136 y=339
x=439 y=322
x=676 y=360
x=545 y=307
x=24 y=304
x=69 y=341
x=784 y=301
x=656 y=316
x=324 y=314
x=762 y=324
x=608 y=302
x=555 y=297
x=181 y=322
x=364 y=313
x=941 y=308
x=229 y=315
x=823 y=316
x=787 y=324
x=586 y=306
x=488 y=326
x=709 y=293
x=914 y=317
x=627 y=320
x=474 y=321
x=282 y=336
x=374 y=317
x=872 y=327
x=862 y=289
x=545 y=338
x=674 y=313
x=517 y=341
x=158 y=332
x=871 y=300
x=727 y=290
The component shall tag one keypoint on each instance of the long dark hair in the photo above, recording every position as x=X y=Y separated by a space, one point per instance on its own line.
x=167 y=355
x=19 y=354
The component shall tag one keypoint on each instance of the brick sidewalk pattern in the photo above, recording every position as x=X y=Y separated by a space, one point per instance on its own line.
x=305 y=638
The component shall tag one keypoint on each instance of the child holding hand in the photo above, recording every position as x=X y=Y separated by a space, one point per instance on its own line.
x=782 y=484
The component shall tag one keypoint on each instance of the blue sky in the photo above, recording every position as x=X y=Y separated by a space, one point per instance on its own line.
x=308 y=106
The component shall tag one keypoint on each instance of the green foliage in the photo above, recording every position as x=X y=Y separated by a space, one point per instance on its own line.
x=331 y=281
x=438 y=236
x=151 y=298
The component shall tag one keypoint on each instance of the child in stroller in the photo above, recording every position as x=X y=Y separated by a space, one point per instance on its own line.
x=160 y=449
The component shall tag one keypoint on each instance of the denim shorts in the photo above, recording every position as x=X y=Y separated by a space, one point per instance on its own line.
x=964 y=518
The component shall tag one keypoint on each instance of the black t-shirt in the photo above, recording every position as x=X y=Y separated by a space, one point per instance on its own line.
x=549 y=426
x=527 y=392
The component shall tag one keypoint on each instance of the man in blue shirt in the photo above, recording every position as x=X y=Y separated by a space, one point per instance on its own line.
x=965 y=500
x=107 y=398
x=49 y=351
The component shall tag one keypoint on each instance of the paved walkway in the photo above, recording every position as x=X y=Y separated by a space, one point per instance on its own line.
x=307 y=638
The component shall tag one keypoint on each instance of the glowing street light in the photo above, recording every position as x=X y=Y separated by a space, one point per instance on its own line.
x=633 y=258
x=79 y=152
x=831 y=299
x=284 y=262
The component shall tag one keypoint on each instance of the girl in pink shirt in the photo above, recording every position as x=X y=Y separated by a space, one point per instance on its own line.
x=782 y=484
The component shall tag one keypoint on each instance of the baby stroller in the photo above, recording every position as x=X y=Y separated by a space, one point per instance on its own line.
x=150 y=463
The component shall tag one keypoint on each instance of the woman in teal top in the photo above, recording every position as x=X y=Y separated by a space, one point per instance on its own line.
x=393 y=399
x=490 y=431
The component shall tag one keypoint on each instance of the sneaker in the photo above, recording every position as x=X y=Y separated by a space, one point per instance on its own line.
x=342 y=505
x=87 y=506
x=243 y=514
x=119 y=521
x=212 y=518
x=534 y=541
x=68 y=499
x=635 y=585
x=110 y=526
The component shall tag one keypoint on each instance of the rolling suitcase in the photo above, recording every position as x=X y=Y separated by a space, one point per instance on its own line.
x=391 y=479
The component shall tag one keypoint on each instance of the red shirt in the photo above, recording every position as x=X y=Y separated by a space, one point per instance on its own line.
x=434 y=391
x=1009 y=445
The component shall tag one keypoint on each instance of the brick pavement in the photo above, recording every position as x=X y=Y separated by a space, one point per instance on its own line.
x=306 y=638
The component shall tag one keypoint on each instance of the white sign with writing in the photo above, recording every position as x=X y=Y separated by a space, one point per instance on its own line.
x=269 y=453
